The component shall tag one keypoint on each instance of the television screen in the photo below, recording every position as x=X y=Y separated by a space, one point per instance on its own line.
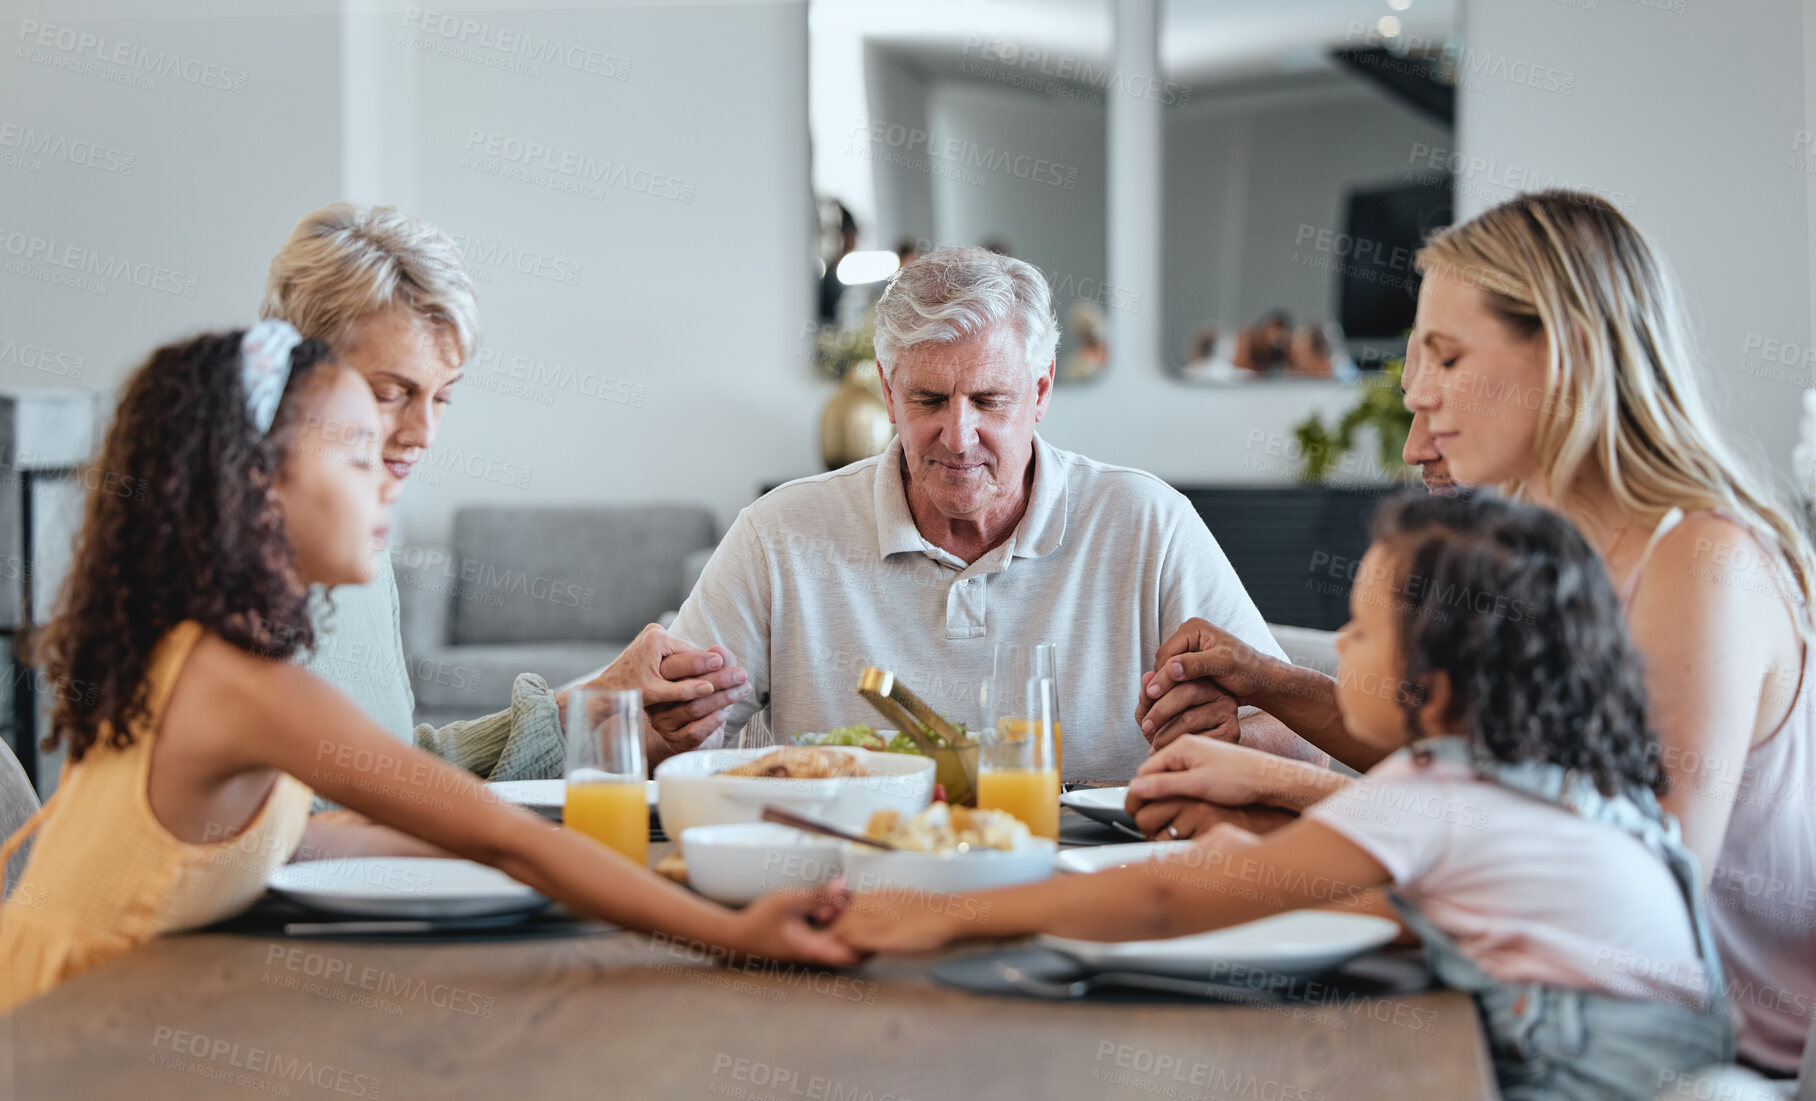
x=1377 y=288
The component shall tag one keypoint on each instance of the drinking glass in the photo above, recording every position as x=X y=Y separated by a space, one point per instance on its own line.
x=1017 y=765
x=605 y=770
x=1016 y=662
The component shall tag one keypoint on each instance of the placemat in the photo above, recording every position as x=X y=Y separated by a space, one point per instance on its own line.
x=1033 y=971
x=271 y=913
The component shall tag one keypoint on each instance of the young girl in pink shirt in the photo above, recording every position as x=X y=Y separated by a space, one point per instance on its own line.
x=1516 y=826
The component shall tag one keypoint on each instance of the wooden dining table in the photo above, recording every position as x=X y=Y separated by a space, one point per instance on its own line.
x=603 y=1012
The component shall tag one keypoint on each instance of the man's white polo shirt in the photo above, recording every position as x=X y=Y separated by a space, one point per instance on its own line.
x=826 y=575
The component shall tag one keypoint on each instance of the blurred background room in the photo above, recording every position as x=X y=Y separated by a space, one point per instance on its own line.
x=678 y=216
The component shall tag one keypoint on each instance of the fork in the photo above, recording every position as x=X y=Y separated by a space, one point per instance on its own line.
x=1139 y=980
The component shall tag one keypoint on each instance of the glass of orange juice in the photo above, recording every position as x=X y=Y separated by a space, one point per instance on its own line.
x=605 y=770
x=1017 y=764
x=1016 y=662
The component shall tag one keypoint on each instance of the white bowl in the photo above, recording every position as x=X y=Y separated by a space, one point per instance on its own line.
x=741 y=863
x=869 y=869
x=691 y=793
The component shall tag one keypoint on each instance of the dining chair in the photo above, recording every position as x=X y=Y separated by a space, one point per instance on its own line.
x=17 y=803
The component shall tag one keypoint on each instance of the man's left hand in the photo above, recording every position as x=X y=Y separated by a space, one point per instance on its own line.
x=686 y=690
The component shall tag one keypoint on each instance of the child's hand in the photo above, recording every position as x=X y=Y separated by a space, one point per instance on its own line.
x=1195 y=767
x=777 y=926
x=873 y=924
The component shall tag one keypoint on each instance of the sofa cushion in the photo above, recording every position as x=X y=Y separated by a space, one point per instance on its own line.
x=1308 y=646
x=580 y=574
x=476 y=680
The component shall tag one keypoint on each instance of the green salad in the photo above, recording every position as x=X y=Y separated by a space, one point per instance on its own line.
x=864 y=736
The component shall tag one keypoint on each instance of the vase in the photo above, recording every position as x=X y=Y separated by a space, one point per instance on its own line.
x=855 y=424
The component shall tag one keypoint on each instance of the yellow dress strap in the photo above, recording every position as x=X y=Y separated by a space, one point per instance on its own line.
x=171 y=652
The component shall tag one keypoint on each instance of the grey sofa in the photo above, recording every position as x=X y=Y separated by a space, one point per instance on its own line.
x=557 y=591
x=1307 y=646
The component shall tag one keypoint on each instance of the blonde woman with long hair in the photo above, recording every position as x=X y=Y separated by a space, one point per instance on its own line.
x=1551 y=357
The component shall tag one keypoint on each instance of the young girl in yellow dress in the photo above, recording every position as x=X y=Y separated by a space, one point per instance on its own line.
x=195 y=742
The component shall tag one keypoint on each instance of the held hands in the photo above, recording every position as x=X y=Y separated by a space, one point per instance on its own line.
x=834 y=928
x=1197 y=784
x=790 y=925
x=1201 y=675
x=1197 y=767
x=873 y=923
x=687 y=691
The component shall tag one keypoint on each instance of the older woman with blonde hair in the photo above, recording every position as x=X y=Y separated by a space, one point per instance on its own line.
x=390 y=294
x=1552 y=358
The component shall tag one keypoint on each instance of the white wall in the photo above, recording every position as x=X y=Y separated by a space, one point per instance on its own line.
x=1054 y=218
x=191 y=189
x=1688 y=120
x=673 y=366
x=899 y=201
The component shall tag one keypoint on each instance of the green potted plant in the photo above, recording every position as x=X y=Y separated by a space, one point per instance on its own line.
x=1381 y=406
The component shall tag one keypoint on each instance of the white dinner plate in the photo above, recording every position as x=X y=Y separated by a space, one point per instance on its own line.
x=404 y=887
x=1299 y=945
x=1102 y=804
x=1101 y=858
x=546 y=797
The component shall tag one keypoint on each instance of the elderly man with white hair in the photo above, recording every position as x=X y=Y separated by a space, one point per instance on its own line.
x=970 y=530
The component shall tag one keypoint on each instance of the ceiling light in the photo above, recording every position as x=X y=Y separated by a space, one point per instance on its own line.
x=1388 y=26
x=867 y=267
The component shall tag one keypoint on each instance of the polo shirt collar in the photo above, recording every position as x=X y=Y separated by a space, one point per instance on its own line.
x=1042 y=527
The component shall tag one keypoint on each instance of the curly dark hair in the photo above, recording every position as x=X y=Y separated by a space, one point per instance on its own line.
x=200 y=538
x=1515 y=607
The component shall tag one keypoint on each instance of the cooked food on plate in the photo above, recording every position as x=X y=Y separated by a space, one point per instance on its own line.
x=941 y=829
x=673 y=866
x=802 y=763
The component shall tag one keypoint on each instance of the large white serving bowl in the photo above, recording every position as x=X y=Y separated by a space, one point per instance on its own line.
x=869 y=869
x=741 y=863
x=546 y=797
x=691 y=793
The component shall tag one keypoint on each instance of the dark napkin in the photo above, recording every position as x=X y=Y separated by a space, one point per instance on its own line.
x=268 y=916
x=1382 y=974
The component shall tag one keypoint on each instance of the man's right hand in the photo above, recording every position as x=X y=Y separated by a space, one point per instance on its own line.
x=1176 y=819
x=685 y=723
